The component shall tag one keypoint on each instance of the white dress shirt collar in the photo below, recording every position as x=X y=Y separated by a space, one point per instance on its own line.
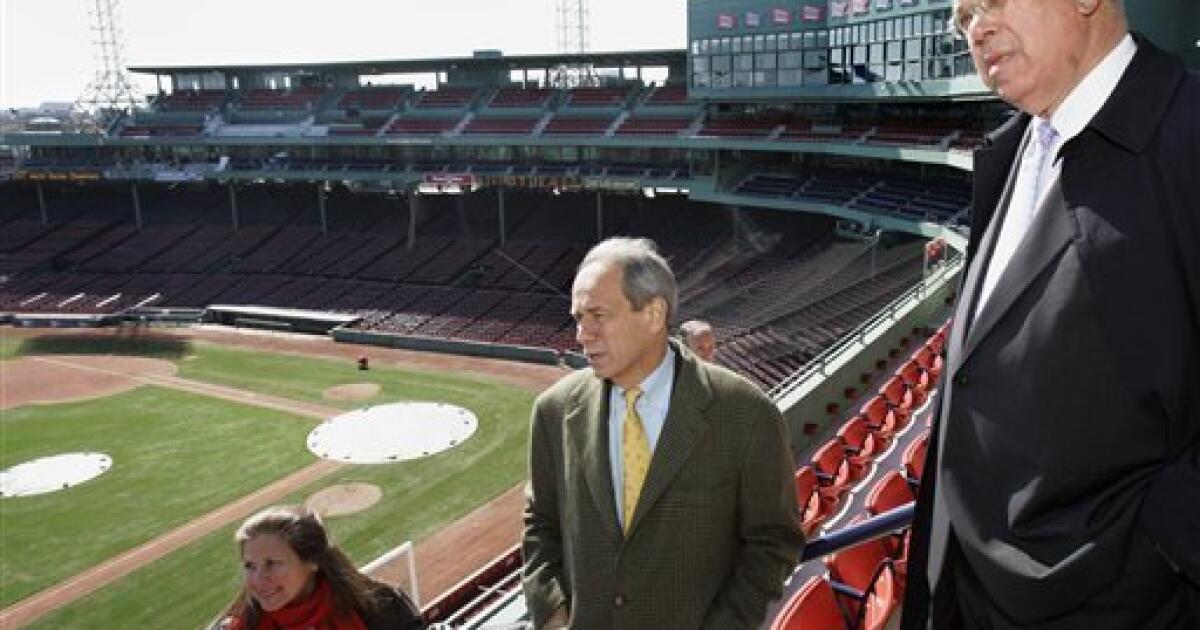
x=1081 y=105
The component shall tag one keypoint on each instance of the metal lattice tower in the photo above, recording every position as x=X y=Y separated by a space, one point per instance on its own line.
x=111 y=89
x=574 y=37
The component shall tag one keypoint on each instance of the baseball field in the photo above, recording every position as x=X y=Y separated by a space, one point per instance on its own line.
x=205 y=427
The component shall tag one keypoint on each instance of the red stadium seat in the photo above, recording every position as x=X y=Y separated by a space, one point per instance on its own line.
x=860 y=444
x=891 y=491
x=814 y=507
x=814 y=607
x=899 y=397
x=937 y=342
x=832 y=470
x=857 y=566
x=914 y=457
x=914 y=377
x=881 y=600
x=901 y=560
x=924 y=357
x=881 y=419
x=931 y=362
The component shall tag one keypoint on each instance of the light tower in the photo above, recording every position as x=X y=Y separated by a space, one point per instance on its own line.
x=110 y=90
x=573 y=38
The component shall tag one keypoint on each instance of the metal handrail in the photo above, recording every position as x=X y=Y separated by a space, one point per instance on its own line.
x=877 y=526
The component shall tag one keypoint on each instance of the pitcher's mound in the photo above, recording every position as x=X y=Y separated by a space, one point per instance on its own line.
x=353 y=391
x=344 y=498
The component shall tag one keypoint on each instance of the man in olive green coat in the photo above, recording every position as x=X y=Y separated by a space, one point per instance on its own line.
x=713 y=531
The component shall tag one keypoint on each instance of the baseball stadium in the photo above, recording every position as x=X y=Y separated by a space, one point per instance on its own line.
x=343 y=284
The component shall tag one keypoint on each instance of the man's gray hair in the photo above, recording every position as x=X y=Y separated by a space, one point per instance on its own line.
x=694 y=327
x=645 y=274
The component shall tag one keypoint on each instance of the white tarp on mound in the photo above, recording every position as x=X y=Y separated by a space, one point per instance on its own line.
x=393 y=432
x=47 y=474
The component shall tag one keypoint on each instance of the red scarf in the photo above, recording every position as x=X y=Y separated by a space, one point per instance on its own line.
x=314 y=612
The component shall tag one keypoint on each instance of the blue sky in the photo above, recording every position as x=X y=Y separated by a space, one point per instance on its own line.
x=46 y=51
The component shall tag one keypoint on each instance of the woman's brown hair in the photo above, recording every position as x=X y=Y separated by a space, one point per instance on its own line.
x=304 y=532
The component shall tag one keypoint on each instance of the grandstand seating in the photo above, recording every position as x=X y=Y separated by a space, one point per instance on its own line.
x=815 y=507
x=882 y=419
x=891 y=491
x=914 y=458
x=303 y=98
x=814 y=607
x=562 y=125
x=365 y=126
x=826 y=283
x=832 y=469
x=421 y=126
x=446 y=98
x=739 y=127
x=653 y=126
x=481 y=125
x=514 y=97
x=858 y=566
x=191 y=100
x=803 y=130
x=372 y=99
x=860 y=444
x=596 y=97
x=652 y=112
x=914 y=131
x=667 y=95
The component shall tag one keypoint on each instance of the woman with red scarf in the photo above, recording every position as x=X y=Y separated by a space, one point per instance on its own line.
x=295 y=579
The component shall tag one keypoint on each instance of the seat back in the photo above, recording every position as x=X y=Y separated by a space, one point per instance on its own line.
x=924 y=357
x=875 y=410
x=806 y=483
x=854 y=433
x=894 y=391
x=881 y=600
x=857 y=566
x=891 y=491
x=830 y=460
x=813 y=607
x=910 y=373
x=914 y=457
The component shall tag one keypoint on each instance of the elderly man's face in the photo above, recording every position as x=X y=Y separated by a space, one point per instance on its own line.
x=1028 y=51
x=623 y=344
x=704 y=344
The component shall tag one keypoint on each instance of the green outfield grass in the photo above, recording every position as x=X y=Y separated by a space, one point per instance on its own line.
x=305 y=378
x=186 y=588
x=175 y=456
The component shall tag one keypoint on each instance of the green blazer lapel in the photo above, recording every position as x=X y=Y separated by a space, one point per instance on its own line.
x=586 y=424
x=685 y=426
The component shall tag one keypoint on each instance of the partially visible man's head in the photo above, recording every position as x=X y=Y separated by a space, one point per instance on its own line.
x=1034 y=52
x=622 y=300
x=699 y=336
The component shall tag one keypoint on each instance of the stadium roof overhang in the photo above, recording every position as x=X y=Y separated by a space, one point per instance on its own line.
x=483 y=63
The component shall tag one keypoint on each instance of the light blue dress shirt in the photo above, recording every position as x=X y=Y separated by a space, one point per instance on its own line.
x=652 y=406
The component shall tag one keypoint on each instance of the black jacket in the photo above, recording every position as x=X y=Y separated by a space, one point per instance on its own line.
x=1066 y=444
x=396 y=612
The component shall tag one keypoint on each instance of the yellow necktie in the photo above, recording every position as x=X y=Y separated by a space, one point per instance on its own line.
x=635 y=449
